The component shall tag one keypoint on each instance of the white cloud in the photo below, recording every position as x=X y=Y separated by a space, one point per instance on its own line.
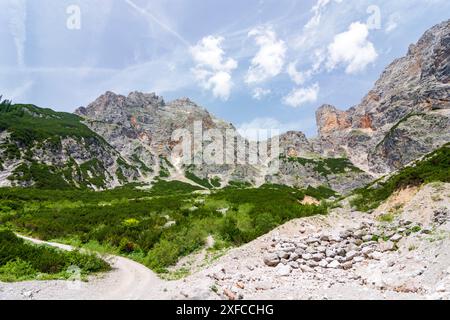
x=298 y=77
x=259 y=93
x=317 y=11
x=392 y=24
x=300 y=96
x=352 y=49
x=213 y=70
x=260 y=129
x=263 y=128
x=269 y=60
x=17 y=24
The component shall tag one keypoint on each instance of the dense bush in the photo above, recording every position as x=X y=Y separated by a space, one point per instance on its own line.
x=20 y=259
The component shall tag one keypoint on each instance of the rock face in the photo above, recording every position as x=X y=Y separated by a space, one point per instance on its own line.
x=405 y=115
x=142 y=126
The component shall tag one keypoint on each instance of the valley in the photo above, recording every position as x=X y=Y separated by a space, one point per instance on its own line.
x=361 y=211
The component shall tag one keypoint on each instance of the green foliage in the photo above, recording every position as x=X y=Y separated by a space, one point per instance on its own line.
x=43 y=176
x=320 y=192
x=162 y=187
x=134 y=222
x=326 y=166
x=203 y=182
x=238 y=184
x=20 y=260
x=388 y=217
x=4 y=102
x=17 y=270
x=216 y=182
x=434 y=167
x=29 y=124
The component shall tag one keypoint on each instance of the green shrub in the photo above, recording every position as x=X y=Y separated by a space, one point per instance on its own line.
x=434 y=167
x=17 y=270
x=17 y=254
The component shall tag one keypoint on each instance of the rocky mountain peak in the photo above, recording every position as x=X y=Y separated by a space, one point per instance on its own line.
x=140 y=99
x=330 y=119
x=387 y=129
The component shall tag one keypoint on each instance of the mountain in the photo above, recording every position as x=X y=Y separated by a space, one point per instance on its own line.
x=49 y=149
x=405 y=115
x=119 y=139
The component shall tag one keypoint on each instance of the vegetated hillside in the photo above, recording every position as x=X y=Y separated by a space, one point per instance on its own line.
x=20 y=261
x=433 y=167
x=154 y=226
x=54 y=150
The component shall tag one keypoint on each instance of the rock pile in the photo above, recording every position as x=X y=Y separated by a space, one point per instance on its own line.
x=337 y=251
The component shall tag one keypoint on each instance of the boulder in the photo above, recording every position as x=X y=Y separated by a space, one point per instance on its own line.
x=272 y=260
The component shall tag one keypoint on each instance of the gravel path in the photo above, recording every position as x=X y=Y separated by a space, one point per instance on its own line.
x=128 y=280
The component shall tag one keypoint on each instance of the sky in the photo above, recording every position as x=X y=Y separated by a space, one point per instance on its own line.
x=254 y=63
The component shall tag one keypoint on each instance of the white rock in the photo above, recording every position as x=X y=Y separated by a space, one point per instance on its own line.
x=358 y=259
x=307 y=256
x=367 y=250
x=322 y=249
x=330 y=253
x=396 y=237
x=350 y=255
x=283 y=271
x=306 y=268
x=334 y=265
x=323 y=264
x=283 y=255
x=377 y=255
x=386 y=246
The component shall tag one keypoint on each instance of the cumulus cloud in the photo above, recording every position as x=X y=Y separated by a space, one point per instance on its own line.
x=299 y=96
x=352 y=49
x=213 y=69
x=269 y=60
x=259 y=93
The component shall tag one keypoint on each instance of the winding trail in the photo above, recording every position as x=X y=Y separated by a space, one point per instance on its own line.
x=128 y=280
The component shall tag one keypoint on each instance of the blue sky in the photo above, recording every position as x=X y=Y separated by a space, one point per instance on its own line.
x=255 y=63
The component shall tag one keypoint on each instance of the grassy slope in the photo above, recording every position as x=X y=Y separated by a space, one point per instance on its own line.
x=29 y=124
x=434 y=167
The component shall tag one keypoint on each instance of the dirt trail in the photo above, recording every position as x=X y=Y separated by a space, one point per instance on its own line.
x=128 y=280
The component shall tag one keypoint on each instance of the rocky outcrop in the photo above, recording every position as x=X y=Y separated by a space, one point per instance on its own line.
x=415 y=84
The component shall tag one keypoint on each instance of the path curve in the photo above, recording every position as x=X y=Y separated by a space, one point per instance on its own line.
x=128 y=280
